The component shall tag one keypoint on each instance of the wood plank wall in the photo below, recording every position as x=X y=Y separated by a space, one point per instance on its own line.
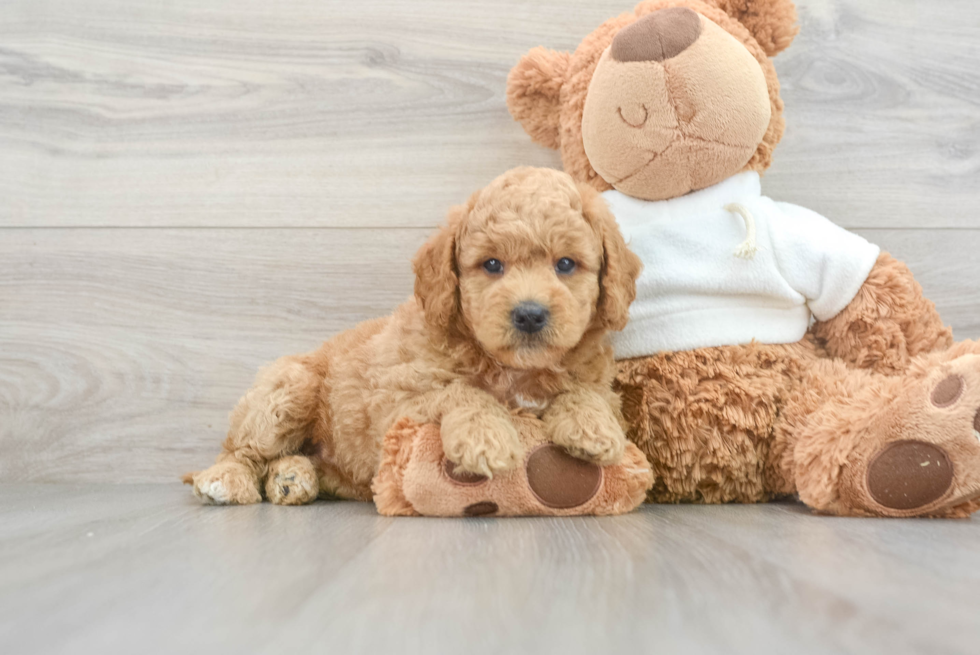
x=192 y=188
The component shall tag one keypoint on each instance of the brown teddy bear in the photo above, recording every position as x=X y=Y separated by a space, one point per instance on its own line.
x=769 y=352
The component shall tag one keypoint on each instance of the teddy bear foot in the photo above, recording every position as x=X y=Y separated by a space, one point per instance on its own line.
x=416 y=478
x=917 y=478
x=923 y=455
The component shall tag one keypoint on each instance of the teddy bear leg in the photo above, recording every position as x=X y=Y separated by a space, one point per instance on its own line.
x=704 y=417
x=895 y=446
x=292 y=480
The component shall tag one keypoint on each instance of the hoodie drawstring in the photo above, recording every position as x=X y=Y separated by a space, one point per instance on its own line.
x=748 y=248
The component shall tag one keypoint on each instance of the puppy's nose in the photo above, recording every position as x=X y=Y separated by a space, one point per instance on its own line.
x=530 y=317
x=658 y=36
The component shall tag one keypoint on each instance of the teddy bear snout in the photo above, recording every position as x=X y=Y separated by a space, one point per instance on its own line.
x=658 y=36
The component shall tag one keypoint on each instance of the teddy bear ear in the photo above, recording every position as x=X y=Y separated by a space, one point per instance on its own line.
x=533 y=94
x=771 y=22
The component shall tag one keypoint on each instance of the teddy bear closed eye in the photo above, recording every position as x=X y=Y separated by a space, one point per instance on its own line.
x=769 y=352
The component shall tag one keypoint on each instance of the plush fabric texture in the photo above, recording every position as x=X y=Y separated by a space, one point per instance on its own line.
x=772 y=23
x=452 y=355
x=659 y=129
x=573 y=74
x=864 y=414
x=416 y=479
x=752 y=423
x=658 y=36
x=887 y=323
x=534 y=92
x=695 y=291
x=867 y=415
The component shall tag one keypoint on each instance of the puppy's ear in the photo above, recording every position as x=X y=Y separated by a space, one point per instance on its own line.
x=620 y=267
x=534 y=94
x=772 y=23
x=437 y=275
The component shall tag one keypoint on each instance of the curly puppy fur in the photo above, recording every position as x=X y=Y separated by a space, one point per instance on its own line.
x=314 y=424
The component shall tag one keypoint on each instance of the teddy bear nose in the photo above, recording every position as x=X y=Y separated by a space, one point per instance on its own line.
x=530 y=317
x=658 y=36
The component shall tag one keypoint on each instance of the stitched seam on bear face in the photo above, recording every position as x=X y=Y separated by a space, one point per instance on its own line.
x=689 y=172
x=677 y=137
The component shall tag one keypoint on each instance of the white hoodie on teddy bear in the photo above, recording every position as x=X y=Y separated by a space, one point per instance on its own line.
x=726 y=266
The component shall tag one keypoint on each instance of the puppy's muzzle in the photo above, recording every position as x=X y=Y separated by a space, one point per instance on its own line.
x=530 y=317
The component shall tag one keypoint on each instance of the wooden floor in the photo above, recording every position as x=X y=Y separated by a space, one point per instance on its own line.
x=191 y=188
x=144 y=569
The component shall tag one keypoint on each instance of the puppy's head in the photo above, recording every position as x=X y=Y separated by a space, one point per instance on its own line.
x=526 y=268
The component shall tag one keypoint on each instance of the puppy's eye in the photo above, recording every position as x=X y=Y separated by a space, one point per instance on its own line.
x=565 y=265
x=493 y=266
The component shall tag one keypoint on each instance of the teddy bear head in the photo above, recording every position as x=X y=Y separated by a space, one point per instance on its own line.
x=670 y=98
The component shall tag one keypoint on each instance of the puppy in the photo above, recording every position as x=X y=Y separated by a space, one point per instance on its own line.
x=513 y=298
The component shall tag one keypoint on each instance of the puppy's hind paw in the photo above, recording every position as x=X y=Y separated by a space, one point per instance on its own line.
x=292 y=481
x=227 y=483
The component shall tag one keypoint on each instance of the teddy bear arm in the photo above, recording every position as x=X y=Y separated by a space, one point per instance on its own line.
x=887 y=323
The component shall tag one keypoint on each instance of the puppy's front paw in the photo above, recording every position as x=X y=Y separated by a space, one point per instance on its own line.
x=481 y=445
x=595 y=436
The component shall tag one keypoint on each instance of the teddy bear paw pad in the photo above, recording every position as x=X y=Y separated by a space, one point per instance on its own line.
x=930 y=459
x=461 y=477
x=485 y=508
x=948 y=391
x=909 y=474
x=559 y=480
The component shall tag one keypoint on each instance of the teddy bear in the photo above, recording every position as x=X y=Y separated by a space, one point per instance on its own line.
x=769 y=353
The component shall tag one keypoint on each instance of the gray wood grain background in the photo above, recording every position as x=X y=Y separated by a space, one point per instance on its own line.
x=189 y=189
